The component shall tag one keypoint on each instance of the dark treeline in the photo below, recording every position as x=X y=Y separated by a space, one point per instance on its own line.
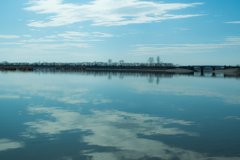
x=120 y=64
x=150 y=64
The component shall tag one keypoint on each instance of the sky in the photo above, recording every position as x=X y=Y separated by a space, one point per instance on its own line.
x=184 y=32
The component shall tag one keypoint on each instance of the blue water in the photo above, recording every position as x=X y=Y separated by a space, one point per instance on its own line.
x=49 y=115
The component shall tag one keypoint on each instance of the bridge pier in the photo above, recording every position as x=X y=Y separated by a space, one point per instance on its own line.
x=201 y=70
x=203 y=66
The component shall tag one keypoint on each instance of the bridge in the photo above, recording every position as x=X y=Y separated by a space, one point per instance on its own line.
x=202 y=67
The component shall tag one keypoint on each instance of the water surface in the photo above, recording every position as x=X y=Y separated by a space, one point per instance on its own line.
x=48 y=115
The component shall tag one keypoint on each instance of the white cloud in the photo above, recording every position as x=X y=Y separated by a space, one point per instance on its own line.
x=234 y=22
x=233 y=39
x=77 y=36
x=38 y=40
x=34 y=30
x=9 y=36
x=99 y=34
x=6 y=144
x=106 y=12
x=27 y=36
x=72 y=34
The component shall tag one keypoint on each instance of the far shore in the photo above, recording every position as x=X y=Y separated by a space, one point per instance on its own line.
x=176 y=70
x=183 y=70
x=233 y=71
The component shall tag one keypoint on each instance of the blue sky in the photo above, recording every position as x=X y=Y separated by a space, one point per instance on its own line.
x=184 y=32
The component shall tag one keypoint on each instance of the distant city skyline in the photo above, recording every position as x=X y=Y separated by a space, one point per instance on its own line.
x=184 y=32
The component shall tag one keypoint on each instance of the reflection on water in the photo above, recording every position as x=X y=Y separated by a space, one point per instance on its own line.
x=6 y=144
x=82 y=115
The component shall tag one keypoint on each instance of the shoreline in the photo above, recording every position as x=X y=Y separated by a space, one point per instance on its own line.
x=234 y=70
x=177 y=70
x=229 y=72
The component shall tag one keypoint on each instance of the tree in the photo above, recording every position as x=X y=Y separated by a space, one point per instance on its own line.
x=5 y=63
x=158 y=59
x=109 y=61
x=121 y=62
x=151 y=61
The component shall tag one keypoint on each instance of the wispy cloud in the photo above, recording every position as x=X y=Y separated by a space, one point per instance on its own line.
x=234 y=22
x=55 y=43
x=72 y=34
x=56 y=46
x=10 y=43
x=106 y=12
x=183 y=29
x=52 y=36
x=34 y=30
x=38 y=40
x=9 y=36
x=27 y=36
x=152 y=49
x=99 y=34
x=233 y=39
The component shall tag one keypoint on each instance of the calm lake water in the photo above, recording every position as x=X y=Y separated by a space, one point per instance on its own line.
x=49 y=115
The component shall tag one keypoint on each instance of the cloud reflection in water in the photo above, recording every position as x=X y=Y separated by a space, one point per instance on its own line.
x=119 y=130
x=185 y=90
x=6 y=144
